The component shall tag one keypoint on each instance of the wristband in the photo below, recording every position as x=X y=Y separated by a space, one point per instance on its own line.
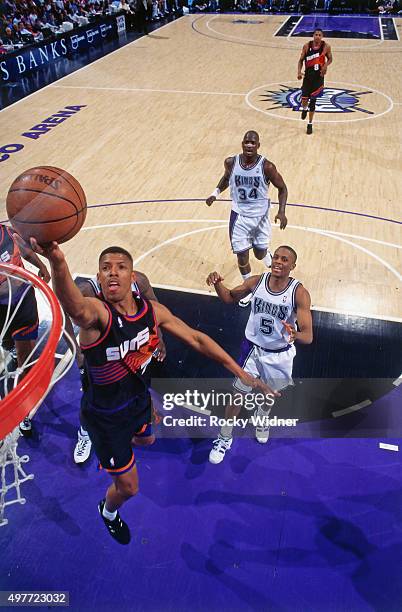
x=215 y=193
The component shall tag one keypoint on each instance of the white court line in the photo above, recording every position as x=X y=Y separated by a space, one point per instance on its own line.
x=148 y=90
x=395 y=28
x=295 y=26
x=391 y=447
x=326 y=233
x=316 y=231
x=165 y=242
x=292 y=43
x=88 y=65
x=310 y=229
x=364 y=250
x=281 y=26
x=339 y=413
x=397 y=381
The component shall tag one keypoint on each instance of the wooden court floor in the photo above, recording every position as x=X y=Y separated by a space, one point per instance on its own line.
x=158 y=118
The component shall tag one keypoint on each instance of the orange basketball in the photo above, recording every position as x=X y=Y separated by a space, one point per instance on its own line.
x=46 y=203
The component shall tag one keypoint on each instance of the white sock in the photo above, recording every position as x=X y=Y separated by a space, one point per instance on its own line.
x=84 y=432
x=226 y=431
x=268 y=259
x=262 y=412
x=109 y=515
x=244 y=276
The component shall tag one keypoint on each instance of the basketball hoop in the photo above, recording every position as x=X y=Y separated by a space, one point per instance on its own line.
x=23 y=389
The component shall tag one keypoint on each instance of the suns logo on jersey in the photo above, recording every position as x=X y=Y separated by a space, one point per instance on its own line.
x=115 y=353
x=5 y=256
x=332 y=100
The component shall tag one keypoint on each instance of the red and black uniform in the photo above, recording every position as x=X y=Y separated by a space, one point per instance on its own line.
x=24 y=325
x=314 y=60
x=116 y=403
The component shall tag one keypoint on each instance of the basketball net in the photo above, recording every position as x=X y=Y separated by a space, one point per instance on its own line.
x=23 y=388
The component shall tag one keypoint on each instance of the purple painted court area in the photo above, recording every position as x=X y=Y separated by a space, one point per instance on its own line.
x=306 y=525
x=365 y=27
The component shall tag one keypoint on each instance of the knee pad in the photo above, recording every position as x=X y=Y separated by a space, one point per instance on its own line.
x=312 y=105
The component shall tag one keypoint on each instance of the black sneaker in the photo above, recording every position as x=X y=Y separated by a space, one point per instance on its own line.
x=117 y=528
x=309 y=128
x=25 y=427
x=304 y=114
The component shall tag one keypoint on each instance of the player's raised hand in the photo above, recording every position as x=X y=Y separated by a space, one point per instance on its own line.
x=210 y=200
x=282 y=218
x=290 y=332
x=51 y=251
x=213 y=278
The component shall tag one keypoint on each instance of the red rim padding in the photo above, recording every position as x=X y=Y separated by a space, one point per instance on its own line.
x=19 y=402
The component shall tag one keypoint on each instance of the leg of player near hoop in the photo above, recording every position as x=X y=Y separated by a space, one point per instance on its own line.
x=82 y=449
x=24 y=332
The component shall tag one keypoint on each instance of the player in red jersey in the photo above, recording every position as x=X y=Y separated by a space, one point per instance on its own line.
x=317 y=56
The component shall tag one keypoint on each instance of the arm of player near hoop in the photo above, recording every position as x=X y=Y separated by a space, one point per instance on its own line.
x=272 y=174
x=205 y=345
x=224 y=181
x=147 y=291
x=28 y=254
x=304 y=319
x=232 y=296
x=88 y=313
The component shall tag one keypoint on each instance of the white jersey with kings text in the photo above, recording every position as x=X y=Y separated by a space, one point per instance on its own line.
x=249 y=188
x=269 y=311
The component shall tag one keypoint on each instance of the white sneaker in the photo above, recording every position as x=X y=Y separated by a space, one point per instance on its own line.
x=246 y=301
x=82 y=448
x=262 y=432
x=262 y=429
x=220 y=446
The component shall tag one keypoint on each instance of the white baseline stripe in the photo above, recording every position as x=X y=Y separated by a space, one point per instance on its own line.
x=398 y=381
x=354 y=408
x=391 y=447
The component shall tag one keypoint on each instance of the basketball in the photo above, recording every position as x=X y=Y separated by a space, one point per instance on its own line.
x=46 y=203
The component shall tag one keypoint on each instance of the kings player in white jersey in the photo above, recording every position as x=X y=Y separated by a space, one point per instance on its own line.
x=268 y=349
x=249 y=175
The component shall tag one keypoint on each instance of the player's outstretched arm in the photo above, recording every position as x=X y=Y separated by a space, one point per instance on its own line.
x=88 y=313
x=223 y=183
x=205 y=345
x=304 y=319
x=231 y=296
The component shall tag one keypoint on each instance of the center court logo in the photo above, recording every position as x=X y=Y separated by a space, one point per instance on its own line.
x=332 y=100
